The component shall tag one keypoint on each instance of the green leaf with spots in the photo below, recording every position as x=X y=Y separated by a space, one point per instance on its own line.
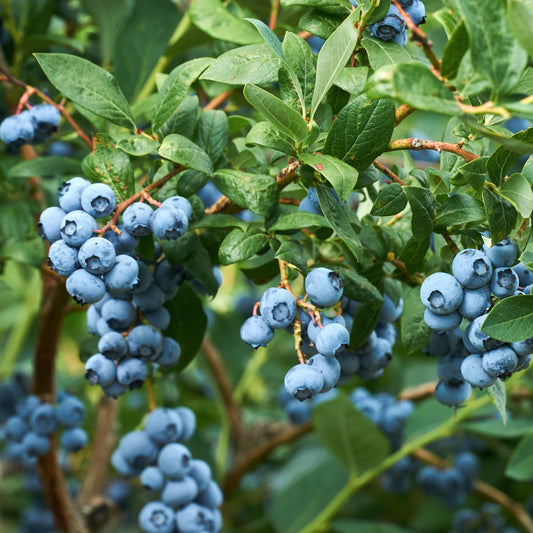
x=138 y=145
x=381 y=53
x=517 y=190
x=423 y=211
x=500 y=213
x=181 y=150
x=459 y=209
x=265 y=134
x=296 y=221
x=240 y=245
x=292 y=252
x=390 y=201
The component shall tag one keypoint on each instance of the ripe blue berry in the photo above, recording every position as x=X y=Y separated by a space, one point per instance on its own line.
x=473 y=372
x=70 y=412
x=478 y=340
x=17 y=130
x=303 y=381
x=138 y=450
x=277 y=307
x=69 y=193
x=98 y=200
x=332 y=339
x=441 y=322
x=174 y=460
x=329 y=367
x=97 y=255
x=503 y=253
x=123 y=242
x=119 y=314
x=76 y=227
x=500 y=362
x=472 y=268
x=169 y=223
x=145 y=342
x=85 y=288
x=15 y=428
x=504 y=282
x=167 y=276
x=524 y=347
x=150 y=299
x=417 y=12
x=137 y=219
x=163 y=426
x=525 y=276
x=43 y=420
x=123 y=276
x=324 y=286
x=256 y=332
x=49 y=226
x=390 y=26
x=378 y=357
x=193 y=518
x=390 y=312
x=63 y=258
x=170 y=354
x=74 y=439
x=201 y=472
x=113 y=345
x=45 y=118
x=35 y=444
x=156 y=517
x=188 y=420
x=441 y=293
x=452 y=395
x=152 y=478
x=475 y=302
x=179 y=202
x=179 y=491
x=132 y=373
x=211 y=496
x=100 y=370
x=159 y=318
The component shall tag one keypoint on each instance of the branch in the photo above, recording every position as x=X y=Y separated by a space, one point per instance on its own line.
x=274 y=12
x=414 y=143
x=451 y=244
x=218 y=100
x=403 y=112
x=389 y=173
x=418 y=392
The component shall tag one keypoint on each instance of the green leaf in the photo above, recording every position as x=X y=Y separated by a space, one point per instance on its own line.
x=499 y=398
x=183 y=120
x=111 y=166
x=414 y=331
x=212 y=17
x=361 y=132
x=257 y=192
x=520 y=18
x=414 y=84
x=390 y=201
x=268 y=35
x=501 y=215
x=329 y=6
x=199 y=265
x=517 y=190
x=256 y=63
x=351 y=438
x=138 y=145
x=381 y=53
x=278 y=113
x=45 y=166
x=422 y=209
x=494 y=428
x=176 y=88
x=460 y=209
x=454 y=51
x=364 y=526
x=320 y=23
x=379 y=9
x=239 y=245
x=88 y=85
x=338 y=219
x=188 y=323
x=496 y=55
x=474 y=172
x=428 y=415
x=292 y=252
x=265 y=134
x=342 y=176
x=180 y=150
x=511 y=319
x=296 y=221
x=413 y=252
x=520 y=465
x=212 y=133
x=352 y=80
x=220 y=220
x=332 y=58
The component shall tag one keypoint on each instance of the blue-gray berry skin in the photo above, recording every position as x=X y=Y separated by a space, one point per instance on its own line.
x=15 y=428
x=132 y=373
x=378 y=357
x=43 y=420
x=475 y=302
x=113 y=345
x=17 y=130
x=123 y=276
x=179 y=491
x=119 y=314
x=49 y=226
x=159 y=318
x=156 y=517
x=93 y=316
x=168 y=276
x=137 y=219
x=25 y=406
x=201 y=473
x=150 y=299
x=74 y=439
x=298 y=412
x=472 y=268
x=449 y=369
x=63 y=258
x=349 y=362
x=174 y=460
x=192 y=518
x=145 y=278
x=35 y=444
x=390 y=26
x=303 y=381
x=84 y=287
x=114 y=389
x=211 y=496
x=98 y=200
x=163 y=426
x=523 y=362
x=525 y=276
x=307 y=205
x=188 y=419
x=504 y=282
x=102 y=328
x=452 y=395
x=503 y=253
x=473 y=372
x=45 y=118
x=500 y=362
x=138 y=450
x=479 y=340
x=256 y=332
x=120 y=465
x=69 y=193
x=170 y=354
x=332 y=340
x=70 y=412
x=417 y=11
x=441 y=293
x=123 y=242
x=440 y=322
x=277 y=307
x=468 y=463
x=387 y=332
x=401 y=38
x=179 y=202
x=524 y=347
x=169 y=223
x=314 y=327
x=390 y=312
x=152 y=478
x=100 y=370
x=76 y=227
x=145 y=342
x=97 y=255
x=324 y=286
x=329 y=367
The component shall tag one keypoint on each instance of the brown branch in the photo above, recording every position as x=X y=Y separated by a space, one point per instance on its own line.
x=484 y=489
x=272 y=23
x=414 y=143
x=218 y=100
x=216 y=365
x=402 y=112
x=418 y=392
x=451 y=244
x=305 y=34
x=400 y=265
x=389 y=173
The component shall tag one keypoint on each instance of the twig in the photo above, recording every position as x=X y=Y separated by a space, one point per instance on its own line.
x=218 y=100
x=451 y=244
x=272 y=23
x=414 y=143
x=402 y=112
x=484 y=489
x=388 y=172
x=418 y=392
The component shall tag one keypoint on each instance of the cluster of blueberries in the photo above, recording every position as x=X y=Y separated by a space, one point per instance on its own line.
x=487 y=518
x=189 y=497
x=33 y=126
x=127 y=296
x=471 y=358
x=392 y=27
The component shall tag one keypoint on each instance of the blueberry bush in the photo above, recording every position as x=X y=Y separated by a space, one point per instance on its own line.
x=183 y=178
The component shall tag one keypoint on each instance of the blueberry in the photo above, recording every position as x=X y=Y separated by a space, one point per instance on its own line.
x=401 y=38
x=163 y=426
x=150 y=299
x=390 y=312
x=449 y=369
x=170 y=354
x=192 y=518
x=102 y=327
x=152 y=478
x=100 y=370
x=69 y=193
x=60 y=149
x=43 y=420
x=49 y=226
x=120 y=465
x=503 y=253
x=479 y=340
x=378 y=357
x=179 y=202
x=523 y=362
x=114 y=389
x=387 y=332
x=93 y=316
x=525 y=276
x=113 y=345
x=428 y=479
x=256 y=332
x=468 y=464
x=144 y=279
x=70 y=412
x=63 y=258
x=504 y=282
x=417 y=11
x=211 y=496
x=137 y=219
x=349 y=362
x=179 y=491
x=500 y=362
x=169 y=223
x=324 y=286
x=123 y=242
x=76 y=227
x=277 y=307
x=119 y=314
x=168 y=276
x=313 y=327
x=132 y=373
x=85 y=288
x=159 y=318
x=440 y=322
x=201 y=473
x=332 y=339
x=74 y=439
x=209 y=194
x=35 y=444
x=123 y=276
x=15 y=428
x=298 y=412
x=45 y=118
x=452 y=395
x=329 y=367
x=145 y=342
x=174 y=460
x=138 y=450
x=473 y=372
x=98 y=200
x=390 y=26
x=475 y=302
x=25 y=406
x=17 y=130
x=441 y=293
x=303 y=381
x=307 y=205
x=188 y=419
x=156 y=517
x=97 y=255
